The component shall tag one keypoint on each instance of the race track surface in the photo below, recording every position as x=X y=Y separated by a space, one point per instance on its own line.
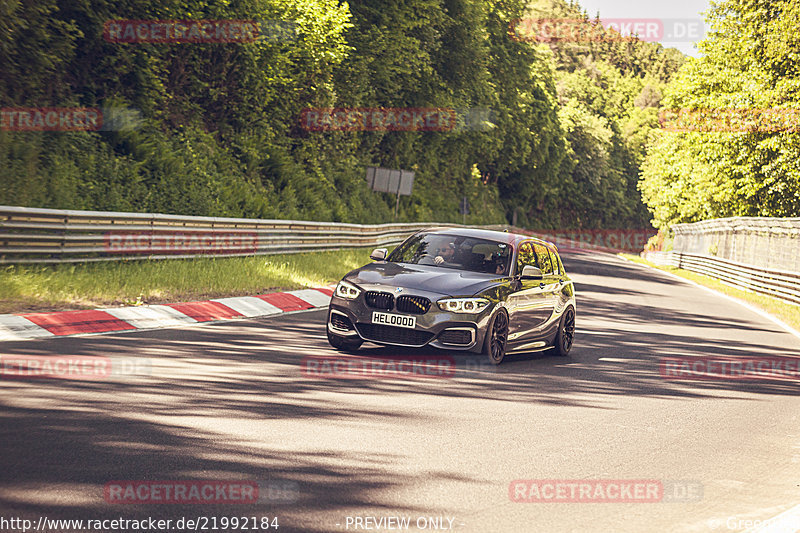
x=236 y=401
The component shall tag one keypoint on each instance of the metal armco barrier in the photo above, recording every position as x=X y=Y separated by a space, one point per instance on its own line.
x=29 y=235
x=781 y=284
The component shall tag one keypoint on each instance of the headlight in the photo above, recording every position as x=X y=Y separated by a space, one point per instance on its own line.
x=463 y=305
x=347 y=290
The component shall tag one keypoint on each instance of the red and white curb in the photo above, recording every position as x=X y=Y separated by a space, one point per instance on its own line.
x=92 y=321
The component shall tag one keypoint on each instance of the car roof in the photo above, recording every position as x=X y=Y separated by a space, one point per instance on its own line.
x=511 y=238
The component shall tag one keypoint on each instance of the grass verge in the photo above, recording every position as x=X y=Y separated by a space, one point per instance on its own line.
x=786 y=312
x=88 y=285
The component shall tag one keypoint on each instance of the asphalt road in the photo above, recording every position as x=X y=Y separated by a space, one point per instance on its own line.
x=232 y=401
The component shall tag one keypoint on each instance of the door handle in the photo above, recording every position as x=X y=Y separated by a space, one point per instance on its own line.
x=541 y=285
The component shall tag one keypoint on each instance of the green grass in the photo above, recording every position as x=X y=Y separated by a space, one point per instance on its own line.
x=789 y=313
x=114 y=283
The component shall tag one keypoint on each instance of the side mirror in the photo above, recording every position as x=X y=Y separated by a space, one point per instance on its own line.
x=379 y=254
x=531 y=272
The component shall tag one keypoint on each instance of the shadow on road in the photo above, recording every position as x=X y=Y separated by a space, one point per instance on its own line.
x=83 y=434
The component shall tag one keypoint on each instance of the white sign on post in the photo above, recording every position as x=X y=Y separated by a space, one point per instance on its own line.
x=399 y=182
x=406 y=182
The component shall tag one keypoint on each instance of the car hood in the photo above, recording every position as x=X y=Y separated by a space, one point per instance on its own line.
x=424 y=278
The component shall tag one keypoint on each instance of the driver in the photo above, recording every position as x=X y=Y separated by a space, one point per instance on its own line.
x=446 y=254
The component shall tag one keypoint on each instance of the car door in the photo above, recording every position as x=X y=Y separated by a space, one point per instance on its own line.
x=528 y=305
x=551 y=281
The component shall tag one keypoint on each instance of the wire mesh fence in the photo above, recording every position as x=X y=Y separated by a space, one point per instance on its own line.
x=772 y=243
x=757 y=254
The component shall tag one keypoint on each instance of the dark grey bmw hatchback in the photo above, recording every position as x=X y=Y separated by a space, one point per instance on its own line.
x=458 y=289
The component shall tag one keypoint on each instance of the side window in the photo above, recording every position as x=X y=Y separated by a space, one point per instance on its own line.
x=525 y=256
x=543 y=259
x=556 y=264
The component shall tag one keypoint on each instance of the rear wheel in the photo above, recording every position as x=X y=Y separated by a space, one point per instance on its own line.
x=496 y=338
x=343 y=344
x=566 y=332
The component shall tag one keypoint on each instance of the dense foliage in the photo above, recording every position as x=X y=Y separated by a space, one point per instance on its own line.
x=221 y=135
x=749 y=68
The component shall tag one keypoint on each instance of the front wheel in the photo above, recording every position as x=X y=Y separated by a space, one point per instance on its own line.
x=496 y=338
x=566 y=332
x=343 y=344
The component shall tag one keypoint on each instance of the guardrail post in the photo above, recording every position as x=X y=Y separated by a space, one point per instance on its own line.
x=62 y=246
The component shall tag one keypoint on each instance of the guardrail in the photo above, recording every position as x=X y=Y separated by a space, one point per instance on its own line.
x=30 y=235
x=34 y=235
x=781 y=284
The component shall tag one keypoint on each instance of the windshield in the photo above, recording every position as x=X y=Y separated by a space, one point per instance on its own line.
x=454 y=251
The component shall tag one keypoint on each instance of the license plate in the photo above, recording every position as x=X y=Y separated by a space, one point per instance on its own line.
x=389 y=319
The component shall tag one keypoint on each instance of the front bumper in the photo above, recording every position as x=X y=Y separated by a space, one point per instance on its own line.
x=437 y=328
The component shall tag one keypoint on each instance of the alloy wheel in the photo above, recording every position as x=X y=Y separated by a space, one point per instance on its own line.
x=499 y=336
x=568 y=329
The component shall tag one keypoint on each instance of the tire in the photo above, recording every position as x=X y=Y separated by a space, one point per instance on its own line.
x=342 y=344
x=494 y=346
x=566 y=333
